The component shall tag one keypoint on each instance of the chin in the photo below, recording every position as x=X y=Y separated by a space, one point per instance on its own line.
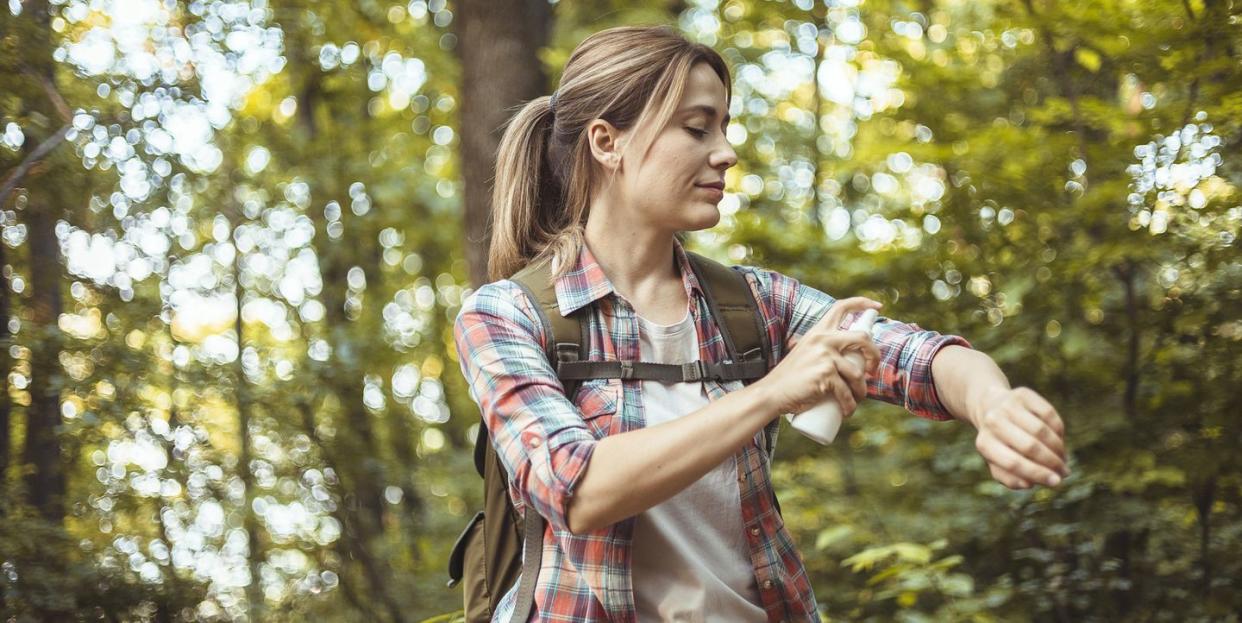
x=706 y=218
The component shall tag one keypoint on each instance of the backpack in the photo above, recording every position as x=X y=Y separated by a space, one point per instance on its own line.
x=488 y=555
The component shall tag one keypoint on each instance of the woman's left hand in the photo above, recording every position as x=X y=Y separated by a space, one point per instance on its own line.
x=1022 y=438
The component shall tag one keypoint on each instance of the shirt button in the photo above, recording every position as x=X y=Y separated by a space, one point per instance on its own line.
x=767 y=584
x=754 y=531
x=534 y=442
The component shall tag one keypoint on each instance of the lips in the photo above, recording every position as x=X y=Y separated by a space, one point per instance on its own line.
x=714 y=190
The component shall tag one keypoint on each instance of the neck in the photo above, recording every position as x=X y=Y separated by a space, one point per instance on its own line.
x=636 y=259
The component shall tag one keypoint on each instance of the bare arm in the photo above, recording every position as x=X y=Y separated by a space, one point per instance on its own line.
x=965 y=379
x=1020 y=434
x=632 y=472
x=636 y=470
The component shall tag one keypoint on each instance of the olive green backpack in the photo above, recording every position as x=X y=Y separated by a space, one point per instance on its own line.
x=488 y=554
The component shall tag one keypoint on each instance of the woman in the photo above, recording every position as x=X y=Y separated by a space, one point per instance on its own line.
x=657 y=496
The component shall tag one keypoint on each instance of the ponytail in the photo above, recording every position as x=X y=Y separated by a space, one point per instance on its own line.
x=527 y=215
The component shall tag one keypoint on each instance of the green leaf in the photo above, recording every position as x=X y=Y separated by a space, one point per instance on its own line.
x=828 y=536
x=1087 y=58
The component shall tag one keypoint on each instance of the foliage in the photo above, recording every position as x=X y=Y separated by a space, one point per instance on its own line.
x=256 y=211
x=1053 y=184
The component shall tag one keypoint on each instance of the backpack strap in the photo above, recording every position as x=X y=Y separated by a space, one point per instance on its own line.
x=741 y=322
x=665 y=372
x=731 y=304
x=567 y=336
x=536 y=280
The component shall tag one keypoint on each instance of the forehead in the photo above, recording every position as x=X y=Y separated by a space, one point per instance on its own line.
x=703 y=88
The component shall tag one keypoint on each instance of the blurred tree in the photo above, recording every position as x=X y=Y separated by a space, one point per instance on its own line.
x=230 y=388
x=497 y=45
x=47 y=572
x=45 y=482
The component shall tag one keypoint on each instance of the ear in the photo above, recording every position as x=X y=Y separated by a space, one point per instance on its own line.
x=606 y=143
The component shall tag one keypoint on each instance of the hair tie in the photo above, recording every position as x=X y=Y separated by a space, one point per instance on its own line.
x=552 y=104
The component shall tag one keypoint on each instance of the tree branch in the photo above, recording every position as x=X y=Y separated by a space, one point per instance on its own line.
x=53 y=94
x=15 y=176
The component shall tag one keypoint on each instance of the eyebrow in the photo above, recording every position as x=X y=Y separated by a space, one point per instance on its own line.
x=705 y=109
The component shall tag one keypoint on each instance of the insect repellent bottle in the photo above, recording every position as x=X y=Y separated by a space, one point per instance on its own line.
x=822 y=421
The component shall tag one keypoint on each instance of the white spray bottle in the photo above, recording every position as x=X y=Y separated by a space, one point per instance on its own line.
x=822 y=421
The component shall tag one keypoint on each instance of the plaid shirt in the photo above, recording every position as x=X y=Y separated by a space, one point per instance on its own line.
x=545 y=440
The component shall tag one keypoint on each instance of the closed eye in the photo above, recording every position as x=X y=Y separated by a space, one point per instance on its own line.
x=697 y=132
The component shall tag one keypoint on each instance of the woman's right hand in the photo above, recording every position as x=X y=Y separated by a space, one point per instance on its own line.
x=816 y=367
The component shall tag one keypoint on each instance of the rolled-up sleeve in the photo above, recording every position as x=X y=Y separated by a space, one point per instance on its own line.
x=904 y=376
x=537 y=432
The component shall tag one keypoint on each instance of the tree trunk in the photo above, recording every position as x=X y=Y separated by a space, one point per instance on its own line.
x=365 y=480
x=1204 y=497
x=165 y=612
x=353 y=543
x=357 y=435
x=1127 y=274
x=254 y=590
x=497 y=44
x=45 y=484
x=361 y=481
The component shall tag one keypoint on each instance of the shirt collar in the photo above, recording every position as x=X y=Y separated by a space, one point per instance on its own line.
x=586 y=282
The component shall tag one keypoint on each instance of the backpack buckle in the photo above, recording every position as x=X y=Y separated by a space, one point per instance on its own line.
x=753 y=354
x=627 y=369
x=566 y=352
x=693 y=371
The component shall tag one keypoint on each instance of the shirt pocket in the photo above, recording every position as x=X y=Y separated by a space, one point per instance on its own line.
x=597 y=400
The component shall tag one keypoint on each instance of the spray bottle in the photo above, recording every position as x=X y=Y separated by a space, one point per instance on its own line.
x=822 y=421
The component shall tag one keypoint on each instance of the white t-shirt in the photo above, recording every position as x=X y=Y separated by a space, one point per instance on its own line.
x=691 y=561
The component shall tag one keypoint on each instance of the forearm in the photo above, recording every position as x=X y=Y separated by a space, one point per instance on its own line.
x=636 y=470
x=964 y=380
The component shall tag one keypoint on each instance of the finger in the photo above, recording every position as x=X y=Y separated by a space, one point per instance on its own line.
x=843 y=342
x=849 y=340
x=836 y=314
x=1045 y=412
x=1008 y=459
x=854 y=376
x=860 y=341
x=841 y=391
x=1039 y=429
x=833 y=319
x=1026 y=444
x=1008 y=479
x=1041 y=407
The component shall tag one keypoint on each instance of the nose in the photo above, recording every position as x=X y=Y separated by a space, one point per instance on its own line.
x=723 y=155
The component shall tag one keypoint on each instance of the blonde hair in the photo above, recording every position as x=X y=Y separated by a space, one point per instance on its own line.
x=631 y=76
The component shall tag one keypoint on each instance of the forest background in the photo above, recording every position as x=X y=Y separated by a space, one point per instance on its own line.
x=235 y=235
